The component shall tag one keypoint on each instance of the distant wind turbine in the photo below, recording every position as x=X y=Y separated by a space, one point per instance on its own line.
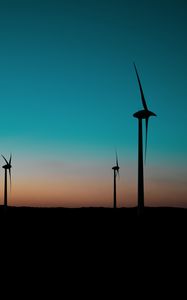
x=7 y=168
x=140 y=115
x=116 y=173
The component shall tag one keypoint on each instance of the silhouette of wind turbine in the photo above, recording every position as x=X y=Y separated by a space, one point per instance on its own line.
x=7 y=168
x=116 y=173
x=140 y=115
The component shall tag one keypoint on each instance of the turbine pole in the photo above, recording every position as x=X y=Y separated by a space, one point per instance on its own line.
x=114 y=188
x=5 y=190
x=140 y=169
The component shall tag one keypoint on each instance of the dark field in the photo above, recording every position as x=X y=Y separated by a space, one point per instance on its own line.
x=98 y=221
x=95 y=239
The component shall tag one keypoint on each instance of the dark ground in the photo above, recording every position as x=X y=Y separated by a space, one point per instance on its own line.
x=102 y=231
x=99 y=222
x=119 y=233
x=99 y=248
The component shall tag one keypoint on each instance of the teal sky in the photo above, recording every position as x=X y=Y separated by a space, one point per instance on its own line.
x=68 y=91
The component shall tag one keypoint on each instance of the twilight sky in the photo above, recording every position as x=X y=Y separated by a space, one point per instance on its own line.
x=68 y=91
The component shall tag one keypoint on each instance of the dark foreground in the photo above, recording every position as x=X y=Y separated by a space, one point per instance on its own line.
x=98 y=221
x=96 y=240
x=90 y=214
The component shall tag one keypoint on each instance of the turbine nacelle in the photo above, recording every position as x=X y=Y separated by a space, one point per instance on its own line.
x=7 y=167
x=116 y=168
x=144 y=114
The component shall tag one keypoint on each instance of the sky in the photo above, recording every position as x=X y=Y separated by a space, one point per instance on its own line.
x=68 y=91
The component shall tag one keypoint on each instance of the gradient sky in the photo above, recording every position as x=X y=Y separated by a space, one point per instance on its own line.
x=68 y=91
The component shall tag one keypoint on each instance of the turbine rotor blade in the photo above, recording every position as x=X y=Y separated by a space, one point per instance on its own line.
x=5 y=159
x=117 y=159
x=141 y=89
x=10 y=160
x=146 y=135
x=10 y=178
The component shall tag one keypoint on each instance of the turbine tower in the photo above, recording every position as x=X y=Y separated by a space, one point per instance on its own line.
x=116 y=173
x=144 y=114
x=7 y=169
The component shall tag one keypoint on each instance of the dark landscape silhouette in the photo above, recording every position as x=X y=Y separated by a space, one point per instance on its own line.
x=94 y=223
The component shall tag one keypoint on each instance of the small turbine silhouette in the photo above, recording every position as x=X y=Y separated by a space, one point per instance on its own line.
x=7 y=168
x=140 y=115
x=116 y=173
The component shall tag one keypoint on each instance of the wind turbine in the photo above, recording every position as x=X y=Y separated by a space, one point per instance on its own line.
x=116 y=173
x=7 y=169
x=144 y=114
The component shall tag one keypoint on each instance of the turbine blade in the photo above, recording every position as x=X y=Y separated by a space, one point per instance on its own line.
x=116 y=159
x=10 y=160
x=141 y=90
x=10 y=178
x=146 y=135
x=4 y=159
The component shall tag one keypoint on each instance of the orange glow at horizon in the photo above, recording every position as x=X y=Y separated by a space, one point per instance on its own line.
x=89 y=185
x=81 y=193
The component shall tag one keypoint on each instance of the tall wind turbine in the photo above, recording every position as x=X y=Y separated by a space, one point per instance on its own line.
x=7 y=169
x=140 y=115
x=116 y=173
